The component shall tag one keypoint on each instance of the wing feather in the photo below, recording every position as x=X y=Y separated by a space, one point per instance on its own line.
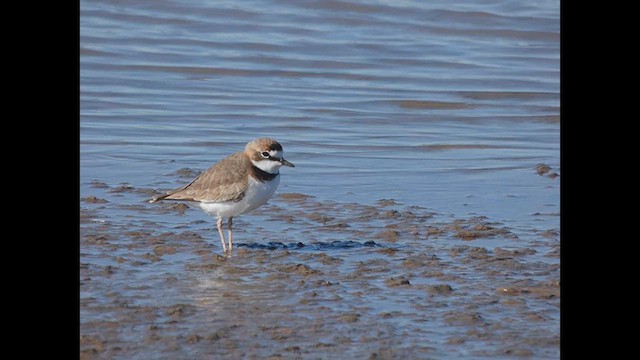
x=226 y=180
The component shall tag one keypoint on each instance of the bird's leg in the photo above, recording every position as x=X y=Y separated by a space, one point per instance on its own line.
x=229 y=224
x=219 y=225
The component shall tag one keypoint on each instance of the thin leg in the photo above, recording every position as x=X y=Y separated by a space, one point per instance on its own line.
x=219 y=225
x=229 y=224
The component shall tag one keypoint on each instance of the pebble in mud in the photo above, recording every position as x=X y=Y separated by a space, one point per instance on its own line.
x=193 y=338
x=482 y=231
x=535 y=317
x=294 y=197
x=122 y=188
x=98 y=239
x=546 y=291
x=349 y=318
x=463 y=318
x=456 y=341
x=421 y=260
x=504 y=253
x=476 y=253
x=440 y=289
x=92 y=344
x=180 y=310
x=387 y=202
x=187 y=173
x=321 y=218
x=98 y=184
x=327 y=259
x=94 y=200
x=518 y=352
x=217 y=335
x=549 y=234
x=388 y=251
x=300 y=269
x=545 y=170
x=162 y=249
x=389 y=235
x=391 y=214
x=397 y=281
x=433 y=231
x=542 y=169
x=108 y=270
x=554 y=252
x=179 y=207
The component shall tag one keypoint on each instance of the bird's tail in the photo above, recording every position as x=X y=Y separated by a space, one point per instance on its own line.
x=158 y=198
x=172 y=192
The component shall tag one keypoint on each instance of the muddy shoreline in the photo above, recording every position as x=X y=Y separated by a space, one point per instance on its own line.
x=422 y=218
x=378 y=281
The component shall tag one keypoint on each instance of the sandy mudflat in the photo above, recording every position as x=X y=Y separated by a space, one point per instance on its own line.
x=338 y=280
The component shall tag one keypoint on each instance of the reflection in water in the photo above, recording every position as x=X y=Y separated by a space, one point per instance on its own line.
x=316 y=245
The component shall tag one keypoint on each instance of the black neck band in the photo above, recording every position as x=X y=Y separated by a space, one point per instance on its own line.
x=262 y=175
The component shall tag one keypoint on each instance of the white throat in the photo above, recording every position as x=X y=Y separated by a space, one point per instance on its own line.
x=272 y=167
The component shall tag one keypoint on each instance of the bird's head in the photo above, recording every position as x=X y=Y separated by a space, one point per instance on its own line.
x=266 y=154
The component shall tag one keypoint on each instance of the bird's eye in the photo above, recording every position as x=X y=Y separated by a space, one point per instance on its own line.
x=265 y=154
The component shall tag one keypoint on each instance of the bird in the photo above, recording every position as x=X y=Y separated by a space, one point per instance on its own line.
x=237 y=184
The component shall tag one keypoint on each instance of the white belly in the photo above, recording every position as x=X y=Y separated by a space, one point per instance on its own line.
x=256 y=195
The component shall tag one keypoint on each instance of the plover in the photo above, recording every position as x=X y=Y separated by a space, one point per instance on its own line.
x=235 y=185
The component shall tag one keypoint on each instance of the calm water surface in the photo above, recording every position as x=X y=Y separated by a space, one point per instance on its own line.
x=445 y=105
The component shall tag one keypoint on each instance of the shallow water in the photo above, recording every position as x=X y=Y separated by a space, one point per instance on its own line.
x=414 y=224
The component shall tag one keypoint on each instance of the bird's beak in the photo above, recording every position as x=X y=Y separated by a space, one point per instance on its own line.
x=286 y=163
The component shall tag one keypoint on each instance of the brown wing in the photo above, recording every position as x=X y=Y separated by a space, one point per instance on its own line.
x=224 y=181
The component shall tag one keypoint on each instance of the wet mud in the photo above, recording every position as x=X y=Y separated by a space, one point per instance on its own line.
x=311 y=279
x=546 y=170
x=382 y=106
